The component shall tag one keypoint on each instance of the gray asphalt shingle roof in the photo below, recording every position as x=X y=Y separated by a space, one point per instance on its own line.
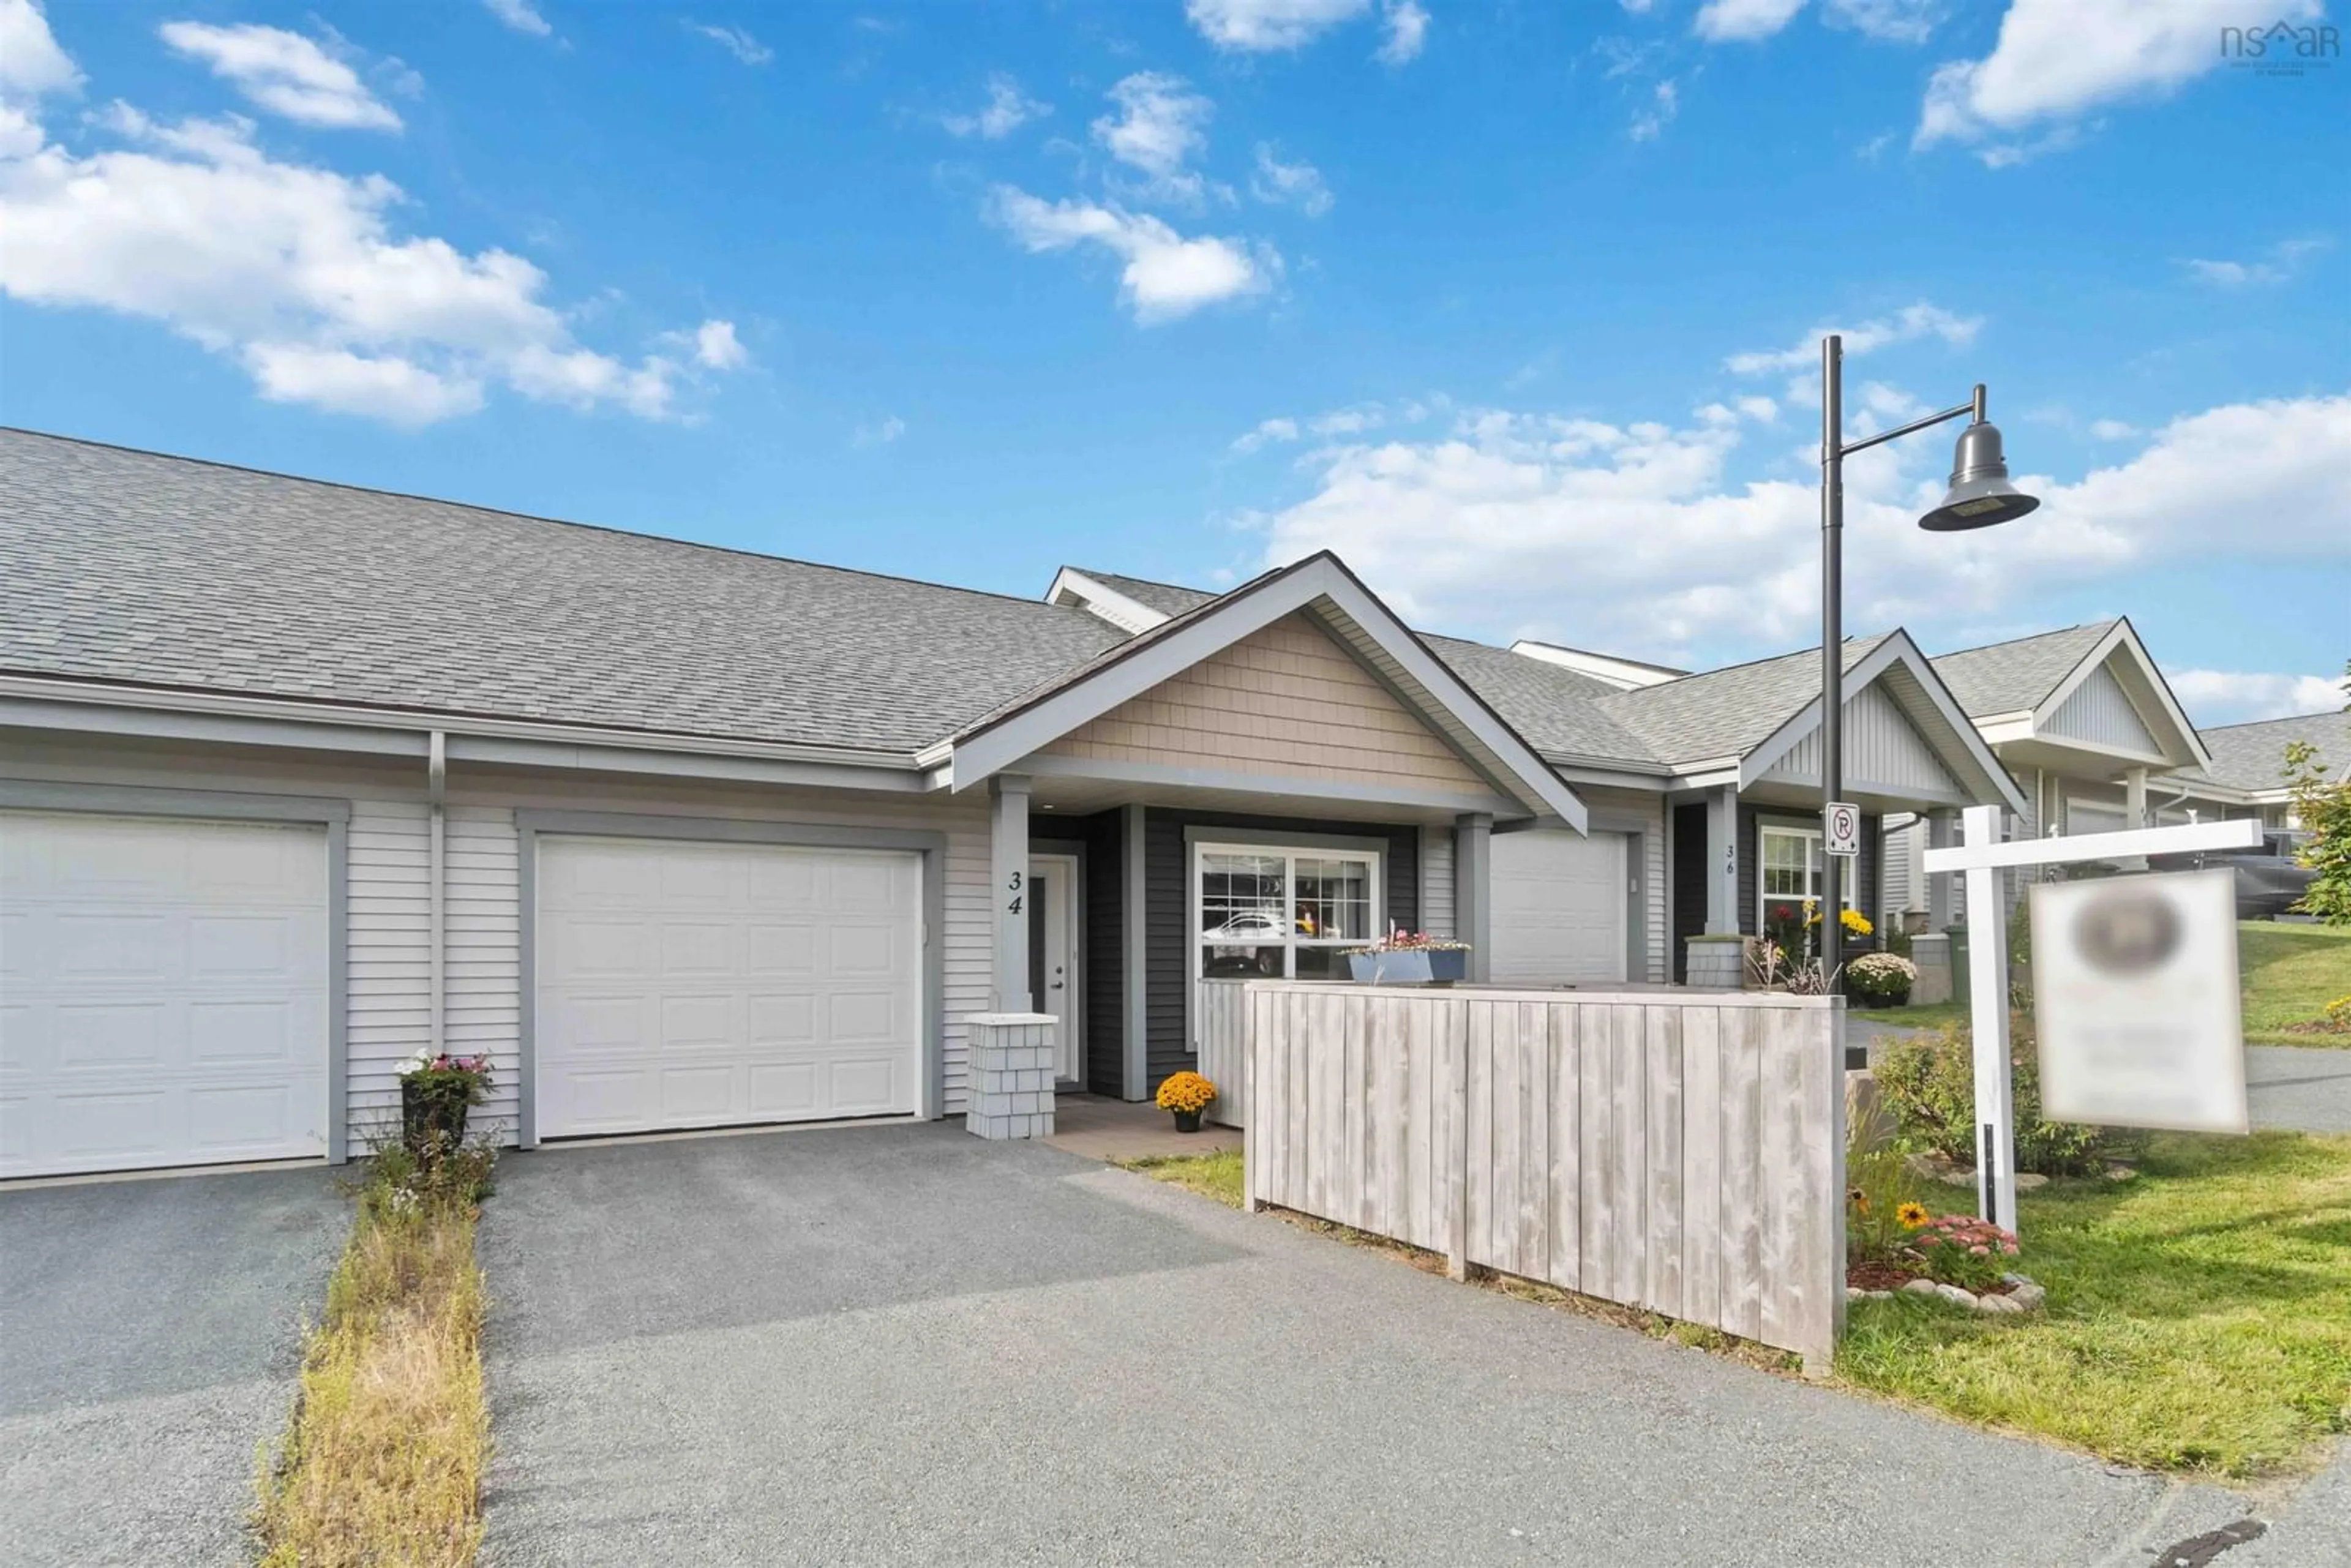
x=1554 y=707
x=2252 y=755
x=2008 y=677
x=1726 y=712
x=129 y=565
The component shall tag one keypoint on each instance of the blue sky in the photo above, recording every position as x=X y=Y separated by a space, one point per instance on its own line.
x=1515 y=306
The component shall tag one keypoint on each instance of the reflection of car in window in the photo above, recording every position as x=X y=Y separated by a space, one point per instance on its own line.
x=1247 y=925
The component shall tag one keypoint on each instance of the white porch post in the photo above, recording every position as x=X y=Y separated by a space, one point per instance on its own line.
x=1723 y=861
x=1473 y=889
x=1008 y=859
x=2135 y=798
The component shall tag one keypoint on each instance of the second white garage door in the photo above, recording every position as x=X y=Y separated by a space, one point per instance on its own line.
x=703 y=985
x=1559 y=908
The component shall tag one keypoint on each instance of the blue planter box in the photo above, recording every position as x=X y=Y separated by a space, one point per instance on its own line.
x=1441 y=964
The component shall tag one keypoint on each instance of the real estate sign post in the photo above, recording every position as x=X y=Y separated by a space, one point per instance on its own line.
x=1982 y=855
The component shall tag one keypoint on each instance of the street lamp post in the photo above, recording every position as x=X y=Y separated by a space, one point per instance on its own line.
x=1980 y=496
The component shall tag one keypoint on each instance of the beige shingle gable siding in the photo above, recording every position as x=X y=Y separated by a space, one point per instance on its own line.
x=1283 y=701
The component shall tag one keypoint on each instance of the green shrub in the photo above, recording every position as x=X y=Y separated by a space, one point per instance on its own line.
x=1928 y=1082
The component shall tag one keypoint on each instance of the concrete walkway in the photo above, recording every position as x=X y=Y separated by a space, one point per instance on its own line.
x=149 y=1335
x=1105 y=1129
x=902 y=1344
x=2306 y=1091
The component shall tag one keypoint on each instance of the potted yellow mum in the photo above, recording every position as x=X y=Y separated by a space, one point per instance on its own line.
x=1186 y=1094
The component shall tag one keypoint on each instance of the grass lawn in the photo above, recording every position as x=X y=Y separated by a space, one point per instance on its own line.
x=1926 y=1015
x=2291 y=973
x=390 y=1437
x=2198 y=1317
x=1216 y=1175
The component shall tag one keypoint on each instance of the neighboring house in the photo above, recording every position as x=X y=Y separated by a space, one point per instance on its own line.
x=2247 y=775
x=300 y=777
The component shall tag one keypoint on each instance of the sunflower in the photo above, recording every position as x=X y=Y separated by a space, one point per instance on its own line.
x=1913 y=1215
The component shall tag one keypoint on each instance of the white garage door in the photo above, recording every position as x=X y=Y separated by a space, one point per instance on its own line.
x=703 y=984
x=163 y=992
x=1559 y=908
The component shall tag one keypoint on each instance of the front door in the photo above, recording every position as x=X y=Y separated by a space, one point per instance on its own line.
x=1054 y=959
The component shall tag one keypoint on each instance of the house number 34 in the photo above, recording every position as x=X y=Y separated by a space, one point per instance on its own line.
x=1014 y=906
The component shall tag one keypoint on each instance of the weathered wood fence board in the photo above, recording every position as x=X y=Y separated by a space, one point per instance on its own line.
x=1220 y=1038
x=1679 y=1151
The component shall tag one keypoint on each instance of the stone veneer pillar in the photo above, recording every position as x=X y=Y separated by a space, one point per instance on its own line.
x=1716 y=962
x=1010 y=1075
x=1931 y=951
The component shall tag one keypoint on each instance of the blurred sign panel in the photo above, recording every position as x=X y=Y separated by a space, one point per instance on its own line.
x=2134 y=996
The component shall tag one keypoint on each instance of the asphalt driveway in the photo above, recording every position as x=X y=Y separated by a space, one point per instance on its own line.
x=149 y=1335
x=903 y=1343
x=2307 y=1090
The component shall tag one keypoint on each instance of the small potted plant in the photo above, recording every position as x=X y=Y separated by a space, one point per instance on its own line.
x=1409 y=958
x=436 y=1090
x=1186 y=1094
x=1880 y=981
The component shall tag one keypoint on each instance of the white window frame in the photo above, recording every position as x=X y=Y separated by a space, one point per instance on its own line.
x=1291 y=854
x=1848 y=868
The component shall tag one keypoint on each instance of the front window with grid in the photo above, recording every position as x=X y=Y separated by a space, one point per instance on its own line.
x=1790 y=870
x=1278 y=914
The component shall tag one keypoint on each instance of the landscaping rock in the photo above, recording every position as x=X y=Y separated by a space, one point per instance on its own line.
x=1919 y=1287
x=1935 y=1167
x=1879 y=1295
x=1993 y=1302
x=1956 y=1296
x=2119 y=1172
x=2028 y=1296
x=2026 y=1181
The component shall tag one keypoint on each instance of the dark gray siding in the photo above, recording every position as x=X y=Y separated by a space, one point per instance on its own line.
x=1690 y=867
x=1166 y=884
x=1105 y=948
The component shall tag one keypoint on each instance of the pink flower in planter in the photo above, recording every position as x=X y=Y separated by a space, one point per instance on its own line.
x=1980 y=1250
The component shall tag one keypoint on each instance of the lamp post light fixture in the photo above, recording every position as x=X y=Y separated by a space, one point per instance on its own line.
x=1980 y=496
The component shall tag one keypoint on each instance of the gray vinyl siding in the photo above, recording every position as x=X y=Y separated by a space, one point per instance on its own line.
x=2101 y=712
x=1880 y=748
x=390 y=962
x=1166 y=891
x=481 y=946
x=1438 y=915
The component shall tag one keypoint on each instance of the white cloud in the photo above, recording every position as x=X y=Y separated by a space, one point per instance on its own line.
x=1408 y=33
x=1268 y=430
x=31 y=64
x=2057 y=60
x=521 y=15
x=2112 y=430
x=1160 y=124
x=284 y=73
x=2227 y=696
x=1664 y=102
x=1009 y=109
x=1644 y=536
x=1724 y=21
x=1262 y=26
x=880 y=434
x=717 y=348
x=736 y=42
x=1889 y=21
x=1299 y=185
x=295 y=273
x=2282 y=262
x=1165 y=276
x=1913 y=321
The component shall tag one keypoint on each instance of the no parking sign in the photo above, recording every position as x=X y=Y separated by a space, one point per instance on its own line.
x=1843 y=825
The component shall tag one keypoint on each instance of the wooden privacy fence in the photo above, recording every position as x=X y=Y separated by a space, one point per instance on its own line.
x=1679 y=1151
x=1221 y=1039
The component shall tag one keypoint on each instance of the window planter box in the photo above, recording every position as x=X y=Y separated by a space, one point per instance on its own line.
x=1440 y=965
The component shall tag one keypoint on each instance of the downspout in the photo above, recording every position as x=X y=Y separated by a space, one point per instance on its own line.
x=436 y=832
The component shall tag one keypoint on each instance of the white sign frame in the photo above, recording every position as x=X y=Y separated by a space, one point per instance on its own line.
x=1980 y=854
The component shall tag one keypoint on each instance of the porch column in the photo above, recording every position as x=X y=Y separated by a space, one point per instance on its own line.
x=2135 y=799
x=1008 y=859
x=1473 y=889
x=1723 y=861
x=1942 y=833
